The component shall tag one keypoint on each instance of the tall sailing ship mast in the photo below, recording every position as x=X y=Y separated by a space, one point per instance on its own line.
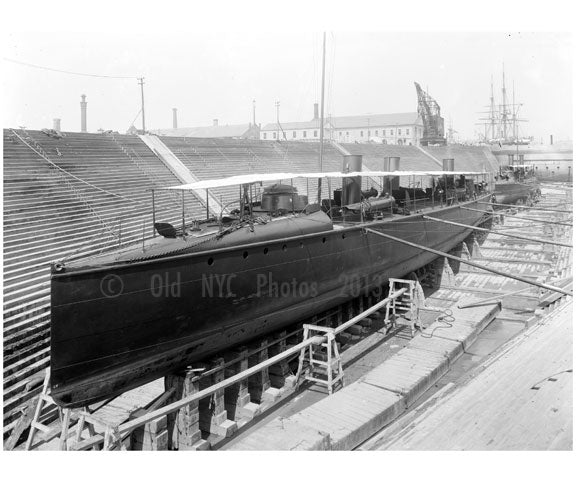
x=501 y=123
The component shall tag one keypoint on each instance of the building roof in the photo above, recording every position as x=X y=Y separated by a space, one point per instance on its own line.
x=352 y=122
x=208 y=131
x=313 y=124
x=375 y=120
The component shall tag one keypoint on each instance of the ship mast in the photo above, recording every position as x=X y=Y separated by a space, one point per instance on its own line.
x=492 y=109
x=322 y=119
x=504 y=108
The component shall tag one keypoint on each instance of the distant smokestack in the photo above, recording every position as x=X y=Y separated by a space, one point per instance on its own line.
x=316 y=111
x=56 y=124
x=254 y=112
x=551 y=139
x=215 y=122
x=447 y=164
x=174 y=118
x=83 y=105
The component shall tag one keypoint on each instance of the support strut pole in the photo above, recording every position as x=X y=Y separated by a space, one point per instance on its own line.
x=471 y=263
x=518 y=217
x=527 y=207
x=476 y=228
x=495 y=298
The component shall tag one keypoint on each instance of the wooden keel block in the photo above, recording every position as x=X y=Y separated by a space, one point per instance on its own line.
x=444 y=274
x=356 y=330
x=281 y=370
x=213 y=415
x=237 y=396
x=183 y=427
x=365 y=323
x=259 y=382
x=476 y=252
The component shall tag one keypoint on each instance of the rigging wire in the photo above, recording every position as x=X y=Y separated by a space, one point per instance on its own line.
x=27 y=64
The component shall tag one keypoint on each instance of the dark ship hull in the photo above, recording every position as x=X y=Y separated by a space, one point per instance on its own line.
x=512 y=192
x=118 y=326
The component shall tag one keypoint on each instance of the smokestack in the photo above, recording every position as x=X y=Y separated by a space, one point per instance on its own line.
x=83 y=105
x=394 y=181
x=56 y=124
x=351 y=186
x=447 y=164
x=254 y=112
x=215 y=122
x=551 y=139
x=174 y=118
x=316 y=111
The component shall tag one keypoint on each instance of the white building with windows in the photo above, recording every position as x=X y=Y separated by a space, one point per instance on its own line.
x=397 y=129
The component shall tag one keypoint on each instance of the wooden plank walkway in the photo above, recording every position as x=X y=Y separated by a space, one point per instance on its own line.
x=520 y=399
x=350 y=416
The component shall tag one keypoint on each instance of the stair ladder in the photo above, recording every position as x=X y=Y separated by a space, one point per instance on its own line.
x=61 y=429
x=323 y=359
x=405 y=306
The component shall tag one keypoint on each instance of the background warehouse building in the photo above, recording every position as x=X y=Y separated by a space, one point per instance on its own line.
x=397 y=129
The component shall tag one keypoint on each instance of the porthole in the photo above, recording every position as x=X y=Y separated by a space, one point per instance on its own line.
x=210 y=261
x=245 y=254
x=284 y=247
x=265 y=250
x=324 y=240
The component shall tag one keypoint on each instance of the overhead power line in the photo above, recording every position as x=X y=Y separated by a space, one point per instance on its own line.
x=67 y=71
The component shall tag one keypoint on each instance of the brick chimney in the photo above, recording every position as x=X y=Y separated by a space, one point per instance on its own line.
x=83 y=106
x=316 y=111
x=174 y=118
x=56 y=124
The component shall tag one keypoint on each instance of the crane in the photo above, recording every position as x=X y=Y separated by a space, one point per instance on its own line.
x=429 y=111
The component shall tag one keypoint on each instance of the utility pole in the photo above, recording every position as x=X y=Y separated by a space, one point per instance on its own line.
x=322 y=118
x=277 y=120
x=504 y=107
x=141 y=82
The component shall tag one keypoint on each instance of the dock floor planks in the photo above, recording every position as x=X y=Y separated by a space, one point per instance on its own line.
x=498 y=409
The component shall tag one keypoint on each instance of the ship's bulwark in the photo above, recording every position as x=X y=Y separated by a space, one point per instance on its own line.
x=119 y=328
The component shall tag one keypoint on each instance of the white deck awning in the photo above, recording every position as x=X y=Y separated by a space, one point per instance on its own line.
x=277 y=176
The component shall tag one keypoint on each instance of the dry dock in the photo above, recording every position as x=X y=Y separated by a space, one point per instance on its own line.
x=521 y=398
x=472 y=322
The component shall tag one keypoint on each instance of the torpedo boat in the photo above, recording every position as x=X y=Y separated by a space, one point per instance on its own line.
x=516 y=184
x=124 y=318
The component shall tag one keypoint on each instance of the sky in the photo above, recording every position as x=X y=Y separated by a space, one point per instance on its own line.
x=216 y=74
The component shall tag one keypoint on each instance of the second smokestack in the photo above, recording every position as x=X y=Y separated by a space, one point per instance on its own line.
x=56 y=124
x=83 y=122
x=174 y=118
x=316 y=111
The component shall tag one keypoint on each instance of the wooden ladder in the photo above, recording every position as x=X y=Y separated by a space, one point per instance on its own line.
x=406 y=305
x=65 y=416
x=328 y=364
